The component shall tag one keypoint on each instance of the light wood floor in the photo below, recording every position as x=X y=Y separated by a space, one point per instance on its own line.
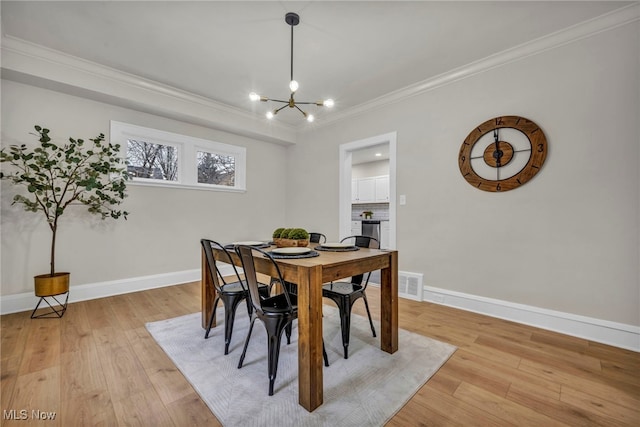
x=99 y=366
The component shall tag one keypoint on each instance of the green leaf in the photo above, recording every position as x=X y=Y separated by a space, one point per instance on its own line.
x=66 y=171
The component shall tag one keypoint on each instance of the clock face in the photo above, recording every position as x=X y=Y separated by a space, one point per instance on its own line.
x=502 y=153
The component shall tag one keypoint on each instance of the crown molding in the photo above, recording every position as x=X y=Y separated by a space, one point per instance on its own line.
x=33 y=64
x=608 y=21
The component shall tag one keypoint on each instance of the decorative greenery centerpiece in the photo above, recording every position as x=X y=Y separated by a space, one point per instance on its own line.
x=57 y=176
x=287 y=237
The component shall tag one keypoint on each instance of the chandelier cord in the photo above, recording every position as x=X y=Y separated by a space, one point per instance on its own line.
x=291 y=52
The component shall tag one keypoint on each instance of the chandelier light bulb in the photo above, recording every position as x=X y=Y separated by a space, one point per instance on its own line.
x=328 y=103
x=254 y=96
x=269 y=115
x=310 y=118
x=293 y=85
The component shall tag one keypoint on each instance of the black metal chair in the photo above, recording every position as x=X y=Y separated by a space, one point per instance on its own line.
x=345 y=294
x=317 y=238
x=277 y=312
x=231 y=293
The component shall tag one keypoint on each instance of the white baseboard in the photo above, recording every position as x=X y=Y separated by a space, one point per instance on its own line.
x=602 y=331
x=27 y=301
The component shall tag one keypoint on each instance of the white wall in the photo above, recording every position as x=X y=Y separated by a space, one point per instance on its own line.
x=369 y=169
x=165 y=226
x=569 y=239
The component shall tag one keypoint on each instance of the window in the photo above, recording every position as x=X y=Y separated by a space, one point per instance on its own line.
x=216 y=169
x=166 y=159
x=152 y=161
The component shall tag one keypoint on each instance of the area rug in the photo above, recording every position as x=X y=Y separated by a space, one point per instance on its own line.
x=365 y=390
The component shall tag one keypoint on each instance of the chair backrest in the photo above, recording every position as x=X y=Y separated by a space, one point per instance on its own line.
x=214 y=271
x=248 y=265
x=317 y=238
x=363 y=242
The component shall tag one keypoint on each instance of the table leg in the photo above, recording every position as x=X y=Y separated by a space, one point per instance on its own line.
x=389 y=305
x=207 y=292
x=310 y=365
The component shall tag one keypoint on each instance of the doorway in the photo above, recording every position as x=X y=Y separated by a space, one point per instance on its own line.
x=349 y=154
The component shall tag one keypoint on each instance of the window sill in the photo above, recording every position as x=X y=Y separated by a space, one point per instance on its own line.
x=177 y=185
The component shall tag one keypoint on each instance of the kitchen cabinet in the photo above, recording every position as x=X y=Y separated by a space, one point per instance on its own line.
x=363 y=191
x=356 y=228
x=382 y=188
x=384 y=234
x=370 y=190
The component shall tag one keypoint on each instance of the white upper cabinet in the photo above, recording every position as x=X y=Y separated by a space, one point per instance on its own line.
x=370 y=190
x=382 y=188
x=366 y=190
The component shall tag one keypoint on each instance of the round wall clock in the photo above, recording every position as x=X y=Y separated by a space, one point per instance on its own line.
x=502 y=153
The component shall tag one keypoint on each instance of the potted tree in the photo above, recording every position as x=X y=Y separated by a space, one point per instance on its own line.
x=57 y=176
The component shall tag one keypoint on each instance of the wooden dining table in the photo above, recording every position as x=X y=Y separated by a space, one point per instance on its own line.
x=309 y=274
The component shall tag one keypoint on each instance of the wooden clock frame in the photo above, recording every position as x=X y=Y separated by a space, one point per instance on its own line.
x=500 y=154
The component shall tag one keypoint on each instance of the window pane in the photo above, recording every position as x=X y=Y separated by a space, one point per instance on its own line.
x=216 y=169
x=151 y=160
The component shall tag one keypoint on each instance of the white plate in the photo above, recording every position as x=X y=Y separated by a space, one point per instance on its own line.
x=249 y=243
x=337 y=245
x=291 y=251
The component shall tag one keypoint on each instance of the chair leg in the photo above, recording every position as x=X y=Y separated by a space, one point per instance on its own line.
x=345 y=324
x=213 y=316
x=287 y=330
x=246 y=342
x=274 y=328
x=366 y=305
x=273 y=356
x=344 y=308
x=231 y=304
x=324 y=355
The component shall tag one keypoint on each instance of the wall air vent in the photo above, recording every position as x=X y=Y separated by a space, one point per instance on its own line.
x=410 y=285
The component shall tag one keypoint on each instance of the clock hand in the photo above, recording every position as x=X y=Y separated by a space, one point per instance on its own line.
x=497 y=154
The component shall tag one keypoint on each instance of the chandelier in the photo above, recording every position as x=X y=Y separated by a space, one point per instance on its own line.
x=292 y=19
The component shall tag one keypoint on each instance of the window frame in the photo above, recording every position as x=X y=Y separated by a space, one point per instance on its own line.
x=188 y=148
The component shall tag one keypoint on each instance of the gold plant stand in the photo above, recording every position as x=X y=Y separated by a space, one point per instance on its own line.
x=50 y=288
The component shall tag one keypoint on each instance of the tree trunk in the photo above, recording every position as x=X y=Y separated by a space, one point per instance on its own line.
x=54 y=228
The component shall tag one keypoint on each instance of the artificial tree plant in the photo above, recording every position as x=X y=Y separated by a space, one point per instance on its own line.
x=57 y=176
x=283 y=237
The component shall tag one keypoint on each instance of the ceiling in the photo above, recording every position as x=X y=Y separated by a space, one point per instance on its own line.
x=353 y=52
